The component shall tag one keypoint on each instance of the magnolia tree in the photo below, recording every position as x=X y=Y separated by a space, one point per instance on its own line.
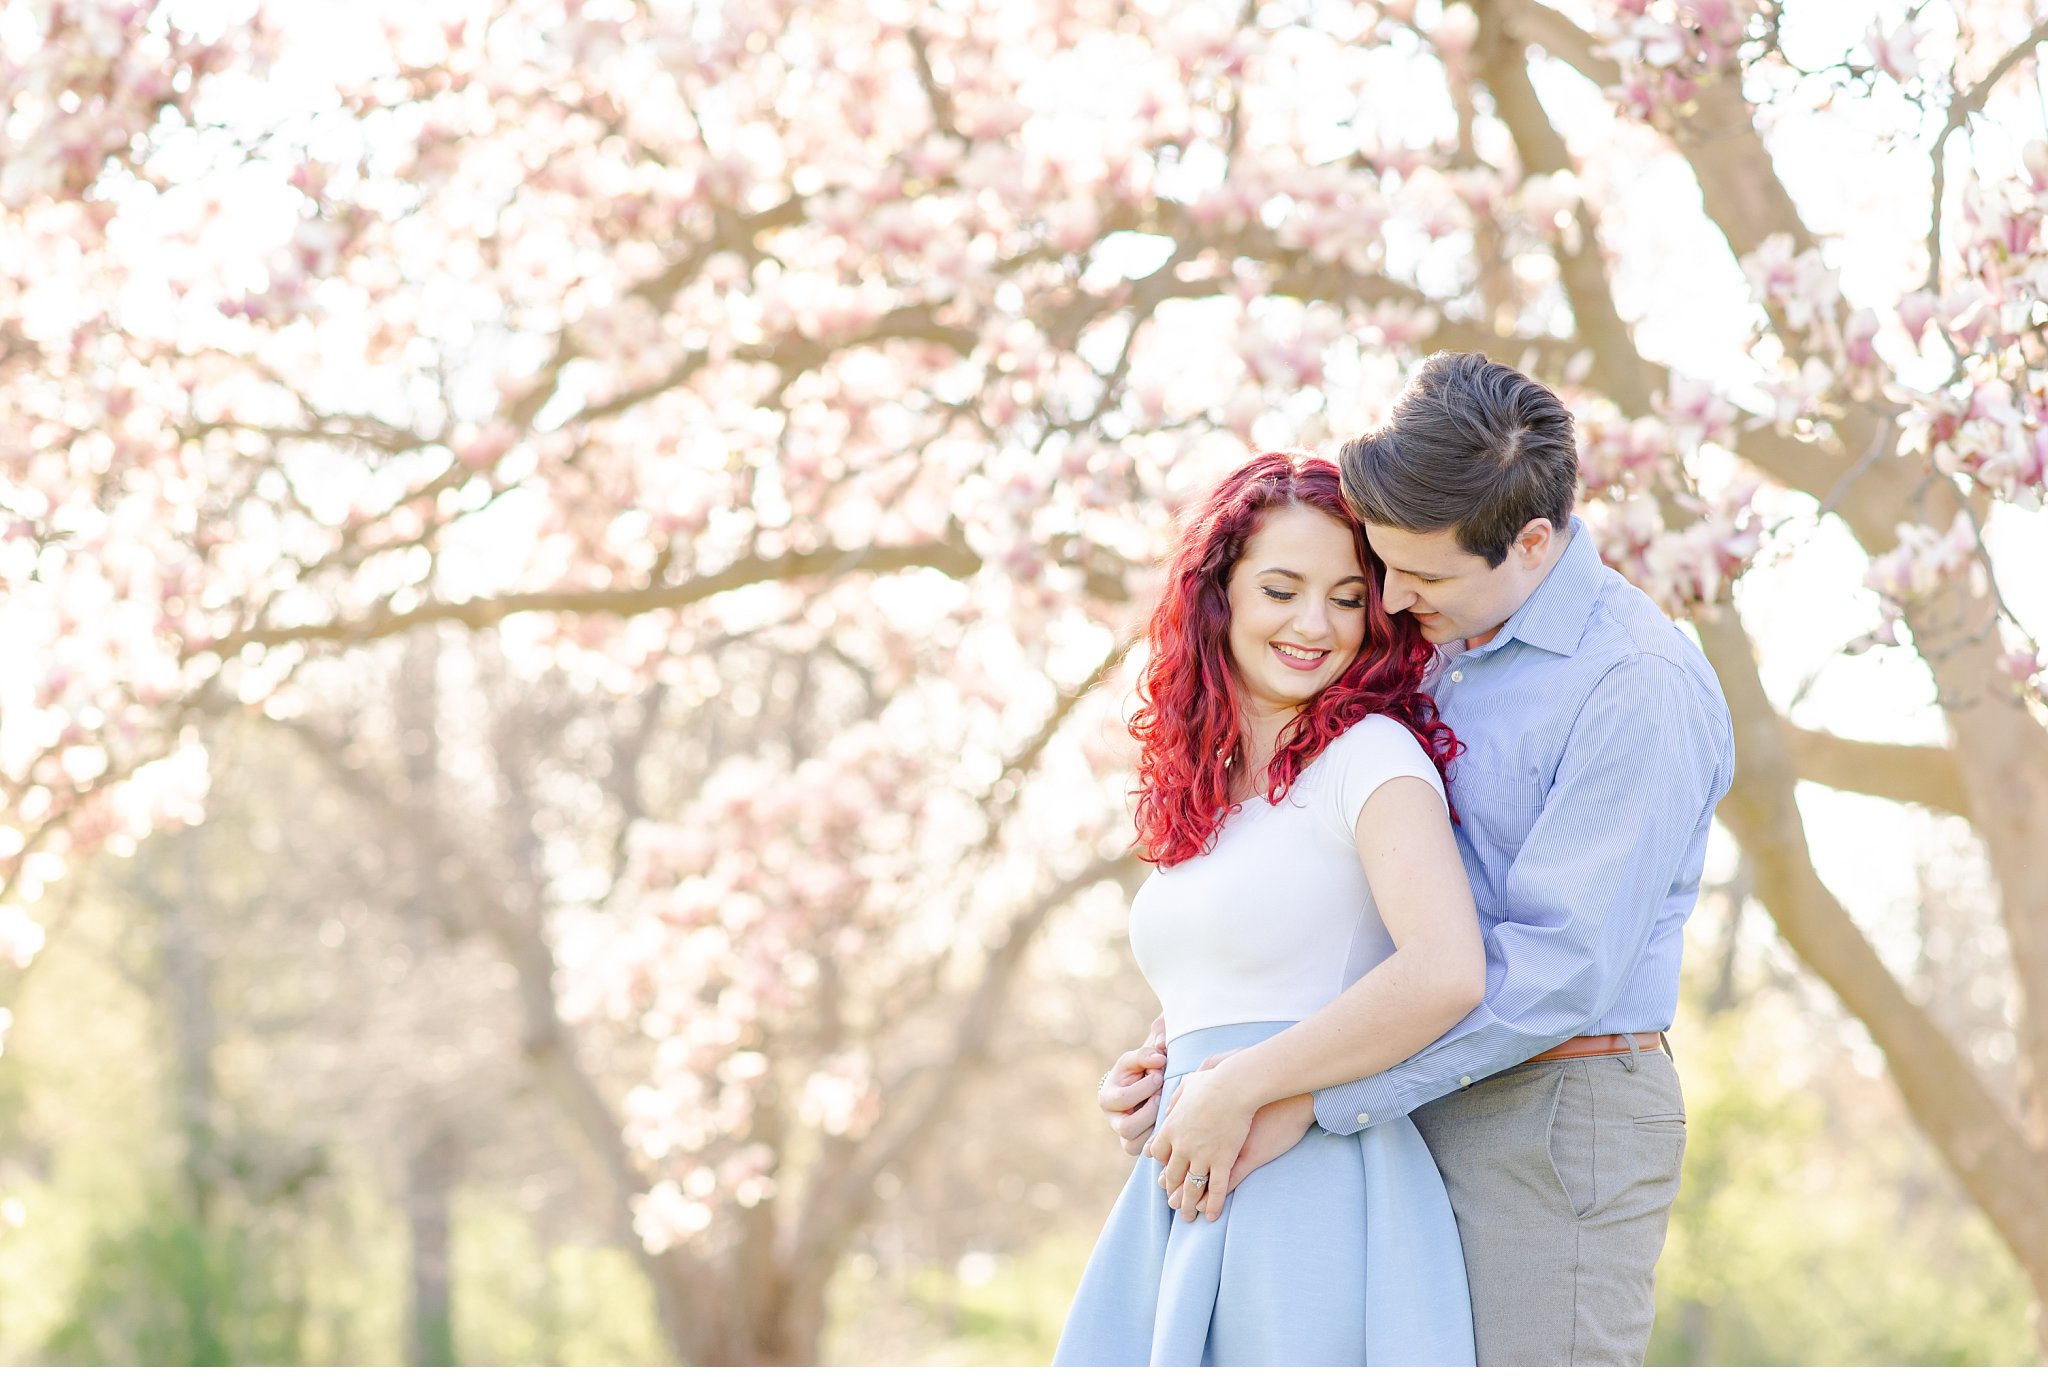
x=890 y=337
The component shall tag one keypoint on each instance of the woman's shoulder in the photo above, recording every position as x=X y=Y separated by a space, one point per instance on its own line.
x=1357 y=762
x=1377 y=734
x=1377 y=747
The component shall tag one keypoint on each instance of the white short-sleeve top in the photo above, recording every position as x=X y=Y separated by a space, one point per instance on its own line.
x=1276 y=919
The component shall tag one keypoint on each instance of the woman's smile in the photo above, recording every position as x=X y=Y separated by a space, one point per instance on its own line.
x=1299 y=658
x=1298 y=592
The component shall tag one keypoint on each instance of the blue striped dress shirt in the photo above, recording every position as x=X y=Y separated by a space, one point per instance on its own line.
x=1597 y=744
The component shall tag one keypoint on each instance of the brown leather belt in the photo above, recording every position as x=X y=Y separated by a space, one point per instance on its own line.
x=1614 y=1045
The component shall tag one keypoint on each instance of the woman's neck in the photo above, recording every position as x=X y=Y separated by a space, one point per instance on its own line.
x=1262 y=730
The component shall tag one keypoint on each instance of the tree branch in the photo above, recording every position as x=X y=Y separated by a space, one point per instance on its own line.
x=946 y=555
x=1922 y=775
x=1816 y=467
x=1021 y=763
x=793 y=355
x=1960 y=110
x=1582 y=271
x=1558 y=36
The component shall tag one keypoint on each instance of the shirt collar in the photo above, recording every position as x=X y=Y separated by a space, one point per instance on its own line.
x=1554 y=617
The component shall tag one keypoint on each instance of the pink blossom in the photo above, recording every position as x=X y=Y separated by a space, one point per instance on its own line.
x=1798 y=392
x=1697 y=414
x=1924 y=561
x=2034 y=158
x=1916 y=310
x=1930 y=419
x=1073 y=225
x=1400 y=324
x=1800 y=284
x=1455 y=32
x=1859 y=336
x=1962 y=310
x=1896 y=54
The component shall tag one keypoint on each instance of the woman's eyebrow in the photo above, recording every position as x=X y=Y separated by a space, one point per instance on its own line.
x=1297 y=576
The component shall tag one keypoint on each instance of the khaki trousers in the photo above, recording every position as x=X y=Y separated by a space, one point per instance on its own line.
x=1562 y=1175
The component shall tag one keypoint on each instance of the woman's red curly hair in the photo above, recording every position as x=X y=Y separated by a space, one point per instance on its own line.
x=1190 y=725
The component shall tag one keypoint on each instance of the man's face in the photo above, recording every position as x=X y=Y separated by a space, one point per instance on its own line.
x=1453 y=594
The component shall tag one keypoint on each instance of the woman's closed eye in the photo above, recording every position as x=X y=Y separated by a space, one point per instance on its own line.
x=1346 y=601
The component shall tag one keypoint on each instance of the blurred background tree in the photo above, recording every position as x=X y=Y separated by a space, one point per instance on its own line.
x=613 y=531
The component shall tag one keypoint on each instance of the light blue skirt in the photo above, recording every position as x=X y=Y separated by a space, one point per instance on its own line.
x=1342 y=1252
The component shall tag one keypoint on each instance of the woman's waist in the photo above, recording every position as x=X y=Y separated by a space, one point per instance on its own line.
x=1187 y=1051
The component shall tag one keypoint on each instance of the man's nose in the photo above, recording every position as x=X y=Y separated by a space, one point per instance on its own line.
x=1396 y=594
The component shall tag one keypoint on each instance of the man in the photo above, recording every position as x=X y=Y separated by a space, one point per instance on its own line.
x=1597 y=743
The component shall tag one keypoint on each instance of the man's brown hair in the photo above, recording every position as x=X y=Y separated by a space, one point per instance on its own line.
x=1471 y=445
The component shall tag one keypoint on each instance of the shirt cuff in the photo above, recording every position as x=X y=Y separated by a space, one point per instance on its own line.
x=1349 y=1108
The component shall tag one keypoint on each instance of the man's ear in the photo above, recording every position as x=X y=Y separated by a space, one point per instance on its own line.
x=1533 y=541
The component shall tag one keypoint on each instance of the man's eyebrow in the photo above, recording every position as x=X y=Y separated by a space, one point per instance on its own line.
x=1418 y=575
x=1297 y=576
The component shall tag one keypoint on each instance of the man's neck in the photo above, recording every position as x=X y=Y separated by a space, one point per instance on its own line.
x=1550 y=565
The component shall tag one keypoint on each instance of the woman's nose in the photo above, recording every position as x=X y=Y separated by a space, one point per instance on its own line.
x=1312 y=618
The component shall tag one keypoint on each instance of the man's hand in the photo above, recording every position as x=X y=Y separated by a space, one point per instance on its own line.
x=1276 y=1128
x=1130 y=1093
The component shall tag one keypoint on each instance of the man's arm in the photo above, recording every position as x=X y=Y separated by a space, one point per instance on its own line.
x=1129 y=1093
x=1643 y=766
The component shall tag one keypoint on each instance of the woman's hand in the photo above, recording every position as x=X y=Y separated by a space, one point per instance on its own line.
x=1202 y=1133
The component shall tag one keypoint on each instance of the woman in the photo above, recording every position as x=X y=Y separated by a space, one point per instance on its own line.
x=1291 y=795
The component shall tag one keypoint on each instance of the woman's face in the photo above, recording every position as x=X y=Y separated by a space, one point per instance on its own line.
x=1297 y=608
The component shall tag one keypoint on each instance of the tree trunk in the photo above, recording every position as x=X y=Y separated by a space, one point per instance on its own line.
x=1989 y=1154
x=430 y=1183
x=188 y=986
x=188 y=977
x=2000 y=760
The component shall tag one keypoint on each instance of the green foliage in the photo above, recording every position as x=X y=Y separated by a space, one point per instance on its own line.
x=165 y=1290
x=168 y=1291
x=985 y=1311
x=1816 y=1228
x=520 y=1300
x=111 y=1263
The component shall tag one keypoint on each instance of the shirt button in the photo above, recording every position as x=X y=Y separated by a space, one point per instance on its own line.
x=1363 y=1119
x=1464 y=1080
x=1458 y=675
